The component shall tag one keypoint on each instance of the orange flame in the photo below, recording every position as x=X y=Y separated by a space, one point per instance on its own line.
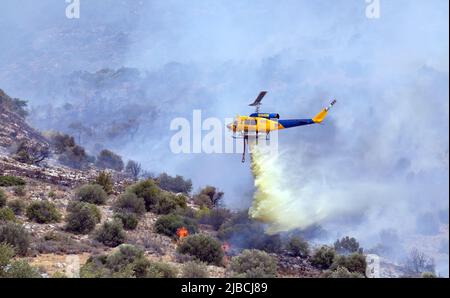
x=226 y=247
x=182 y=232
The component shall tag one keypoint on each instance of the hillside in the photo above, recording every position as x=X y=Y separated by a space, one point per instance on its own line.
x=13 y=125
x=74 y=211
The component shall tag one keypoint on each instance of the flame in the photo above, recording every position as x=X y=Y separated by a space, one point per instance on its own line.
x=226 y=247
x=182 y=232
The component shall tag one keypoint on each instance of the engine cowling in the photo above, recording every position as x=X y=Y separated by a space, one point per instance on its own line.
x=266 y=115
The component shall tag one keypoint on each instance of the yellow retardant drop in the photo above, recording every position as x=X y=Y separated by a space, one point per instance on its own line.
x=321 y=116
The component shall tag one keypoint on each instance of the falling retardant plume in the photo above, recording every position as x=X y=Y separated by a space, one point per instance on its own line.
x=284 y=205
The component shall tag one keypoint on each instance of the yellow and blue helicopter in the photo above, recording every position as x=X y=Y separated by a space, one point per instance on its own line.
x=263 y=123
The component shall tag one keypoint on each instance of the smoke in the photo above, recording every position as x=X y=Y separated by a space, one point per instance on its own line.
x=311 y=200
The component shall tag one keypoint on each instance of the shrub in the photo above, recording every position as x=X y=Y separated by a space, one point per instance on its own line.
x=323 y=257
x=254 y=264
x=202 y=247
x=14 y=105
x=125 y=254
x=160 y=270
x=17 y=206
x=21 y=269
x=174 y=184
x=6 y=254
x=75 y=157
x=194 y=269
x=93 y=194
x=6 y=181
x=417 y=262
x=82 y=217
x=347 y=245
x=15 y=235
x=209 y=197
x=104 y=179
x=111 y=233
x=32 y=154
x=133 y=169
x=168 y=203
x=355 y=262
x=214 y=217
x=109 y=160
x=169 y=224
x=428 y=275
x=20 y=190
x=2 y=198
x=43 y=212
x=147 y=190
x=128 y=220
x=14 y=269
x=129 y=202
x=7 y=214
x=298 y=247
x=126 y=261
x=248 y=234
x=342 y=272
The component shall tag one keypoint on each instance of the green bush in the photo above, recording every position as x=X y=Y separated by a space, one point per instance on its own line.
x=202 y=247
x=174 y=184
x=20 y=190
x=129 y=202
x=298 y=247
x=161 y=270
x=6 y=254
x=126 y=261
x=17 y=206
x=168 y=203
x=323 y=257
x=104 y=179
x=15 y=235
x=82 y=217
x=355 y=262
x=6 y=181
x=14 y=269
x=214 y=217
x=109 y=160
x=194 y=269
x=43 y=212
x=129 y=220
x=111 y=233
x=70 y=154
x=347 y=245
x=2 y=198
x=342 y=272
x=7 y=214
x=147 y=190
x=92 y=193
x=209 y=197
x=169 y=224
x=428 y=275
x=21 y=269
x=254 y=264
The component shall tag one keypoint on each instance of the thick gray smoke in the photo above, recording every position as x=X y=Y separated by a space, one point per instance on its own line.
x=384 y=147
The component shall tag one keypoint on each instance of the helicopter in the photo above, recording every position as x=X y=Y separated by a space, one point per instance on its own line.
x=258 y=123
